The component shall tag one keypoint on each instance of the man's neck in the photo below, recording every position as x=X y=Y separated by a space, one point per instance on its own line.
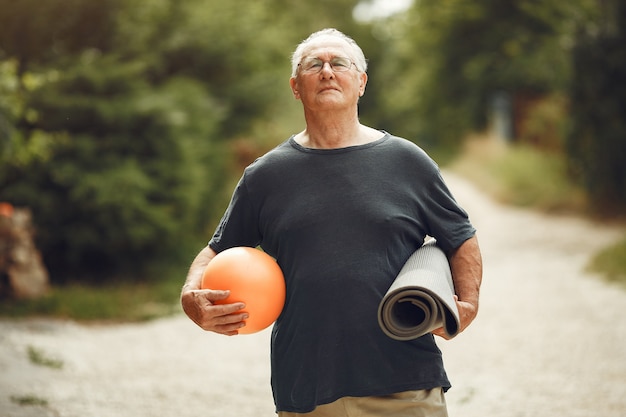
x=333 y=131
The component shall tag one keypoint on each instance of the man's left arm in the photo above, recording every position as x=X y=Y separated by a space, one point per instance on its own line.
x=467 y=271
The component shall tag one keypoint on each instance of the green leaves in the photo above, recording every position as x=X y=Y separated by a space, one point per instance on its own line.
x=126 y=178
x=116 y=118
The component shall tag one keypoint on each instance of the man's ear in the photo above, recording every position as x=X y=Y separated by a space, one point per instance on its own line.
x=294 y=88
x=363 y=83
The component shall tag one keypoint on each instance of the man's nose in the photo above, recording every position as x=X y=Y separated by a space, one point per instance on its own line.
x=327 y=70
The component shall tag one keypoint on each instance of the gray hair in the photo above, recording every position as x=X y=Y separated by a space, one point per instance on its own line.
x=357 y=52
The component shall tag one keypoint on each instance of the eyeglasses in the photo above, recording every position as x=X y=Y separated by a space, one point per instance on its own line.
x=315 y=65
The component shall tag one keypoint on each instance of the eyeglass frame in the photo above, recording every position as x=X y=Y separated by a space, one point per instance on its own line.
x=329 y=62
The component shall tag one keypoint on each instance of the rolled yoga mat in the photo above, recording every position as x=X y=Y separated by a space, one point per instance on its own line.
x=421 y=297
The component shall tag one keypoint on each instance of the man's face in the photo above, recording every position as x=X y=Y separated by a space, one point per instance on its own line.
x=328 y=89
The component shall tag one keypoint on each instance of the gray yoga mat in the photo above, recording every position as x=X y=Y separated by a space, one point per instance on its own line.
x=421 y=297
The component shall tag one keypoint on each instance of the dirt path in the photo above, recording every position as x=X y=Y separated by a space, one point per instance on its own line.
x=550 y=341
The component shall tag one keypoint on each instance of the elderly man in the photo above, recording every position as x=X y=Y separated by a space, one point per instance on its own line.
x=341 y=206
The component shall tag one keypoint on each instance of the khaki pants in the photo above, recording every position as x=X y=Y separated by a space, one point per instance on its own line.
x=422 y=403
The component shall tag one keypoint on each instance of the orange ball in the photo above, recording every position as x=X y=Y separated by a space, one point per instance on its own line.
x=254 y=278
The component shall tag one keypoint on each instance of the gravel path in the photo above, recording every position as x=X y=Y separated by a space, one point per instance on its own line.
x=550 y=340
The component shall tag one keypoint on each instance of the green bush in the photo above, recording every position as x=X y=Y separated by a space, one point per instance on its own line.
x=118 y=119
x=129 y=175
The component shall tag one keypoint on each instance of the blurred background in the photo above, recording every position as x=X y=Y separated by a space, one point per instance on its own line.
x=125 y=123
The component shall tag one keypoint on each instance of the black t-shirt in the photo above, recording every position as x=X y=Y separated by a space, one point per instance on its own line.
x=341 y=223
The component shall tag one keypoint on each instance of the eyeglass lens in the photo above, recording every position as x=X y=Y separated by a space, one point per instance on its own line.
x=337 y=64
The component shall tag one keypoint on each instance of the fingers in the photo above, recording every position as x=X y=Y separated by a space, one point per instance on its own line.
x=467 y=314
x=211 y=295
x=227 y=324
x=200 y=306
x=441 y=333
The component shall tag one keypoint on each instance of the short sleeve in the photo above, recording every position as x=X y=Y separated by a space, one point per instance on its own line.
x=239 y=224
x=446 y=220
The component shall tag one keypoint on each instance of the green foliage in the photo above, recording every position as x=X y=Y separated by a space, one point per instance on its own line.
x=128 y=175
x=521 y=175
x=611 y=262
x=36 y=33
x=121 y=121
x=535 y=179
x=16 y=147
x=38 y=357
x=29 y=400
x=445 y=59
x=597 y=140
x=116 y=118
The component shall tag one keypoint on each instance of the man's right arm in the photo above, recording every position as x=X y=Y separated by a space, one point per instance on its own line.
x=199 y=304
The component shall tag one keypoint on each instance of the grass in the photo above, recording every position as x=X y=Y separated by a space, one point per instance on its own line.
x=37 y=357
x=520 y=175
x=611 y=262
x=118 y=302
x=29 y=400
x=524 y=176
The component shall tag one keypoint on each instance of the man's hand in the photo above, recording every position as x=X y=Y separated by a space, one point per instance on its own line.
x=467 y=314
x=200 y=306
x=467 y=271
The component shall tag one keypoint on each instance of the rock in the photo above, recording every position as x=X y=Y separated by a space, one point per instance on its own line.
x=23 y=273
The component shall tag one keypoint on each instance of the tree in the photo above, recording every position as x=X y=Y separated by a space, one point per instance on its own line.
x=597 y=139
x=118 y=117
x=452 y=56
x=126 y=179
x=36 y=33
